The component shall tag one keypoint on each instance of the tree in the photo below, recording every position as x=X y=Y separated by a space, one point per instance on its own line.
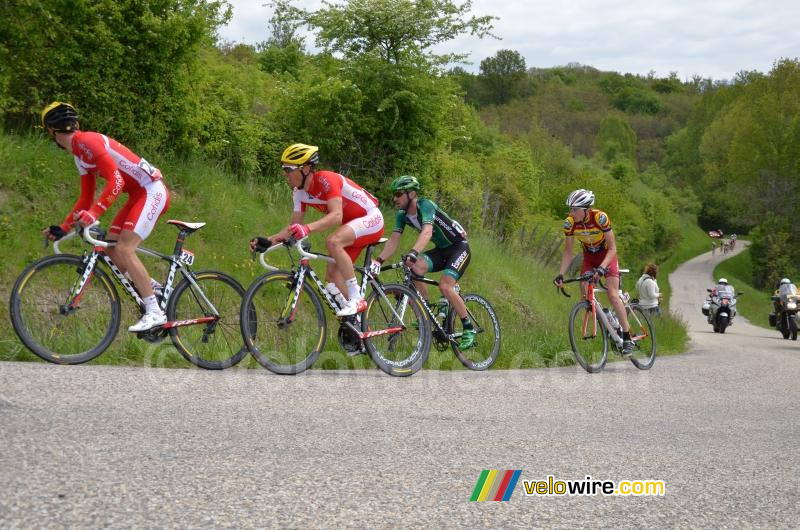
x=283 y=51
x=396 y=31
x=503 y=77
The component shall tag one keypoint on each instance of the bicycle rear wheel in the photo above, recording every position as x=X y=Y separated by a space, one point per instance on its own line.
x=484 y=352
x=283 y=341
x=54 y=323
x=212 y=345
x=398 y=352
x=588 y=338
x=643 y=336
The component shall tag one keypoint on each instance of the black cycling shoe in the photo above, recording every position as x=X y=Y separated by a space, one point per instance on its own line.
x=627 y=348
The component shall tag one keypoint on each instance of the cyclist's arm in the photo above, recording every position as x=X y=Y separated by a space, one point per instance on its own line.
x=611 y=245
x=424 y=238
x=283 y=235
x=84 y=201
x=566 y=257
x=331 y=219
x=113 y=188
x=391 y=246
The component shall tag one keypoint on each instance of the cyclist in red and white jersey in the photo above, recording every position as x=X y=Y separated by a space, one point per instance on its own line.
x=97 y=155
x=346 y=205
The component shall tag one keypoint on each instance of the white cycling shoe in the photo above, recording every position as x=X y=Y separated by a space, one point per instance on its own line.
x=352 y=307
x=149 y=321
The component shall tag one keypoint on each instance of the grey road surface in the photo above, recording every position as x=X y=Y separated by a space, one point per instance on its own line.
x=90 y=446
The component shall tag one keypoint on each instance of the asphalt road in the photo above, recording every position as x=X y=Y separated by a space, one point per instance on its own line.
x=91 y=446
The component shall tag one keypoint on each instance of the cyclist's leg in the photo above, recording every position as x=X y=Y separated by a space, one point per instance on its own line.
x=346 y=243
x=457 y=258
x=422 y=266
x=612 y=286
x=141 y=213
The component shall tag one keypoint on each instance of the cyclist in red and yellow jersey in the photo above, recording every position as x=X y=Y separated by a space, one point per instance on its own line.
x=593 y=229
x=97 y=155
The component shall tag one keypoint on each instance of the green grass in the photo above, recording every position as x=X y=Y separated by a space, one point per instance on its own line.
x=40 y=182
x=754 y=304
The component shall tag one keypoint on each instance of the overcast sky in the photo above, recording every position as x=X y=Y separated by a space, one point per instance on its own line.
x=710 y=38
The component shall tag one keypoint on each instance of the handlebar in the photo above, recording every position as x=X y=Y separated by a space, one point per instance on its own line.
x=85 y=234
x=288 y=244
x=586 y=277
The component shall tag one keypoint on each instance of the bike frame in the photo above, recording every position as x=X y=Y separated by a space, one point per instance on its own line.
x=304 y=270
x=410 y=279
x=594 y=304
x=178 y=262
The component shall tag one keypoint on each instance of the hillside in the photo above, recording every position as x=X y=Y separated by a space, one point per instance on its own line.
x=40 y=181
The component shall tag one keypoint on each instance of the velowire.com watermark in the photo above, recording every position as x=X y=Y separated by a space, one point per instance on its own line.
x=498 y=485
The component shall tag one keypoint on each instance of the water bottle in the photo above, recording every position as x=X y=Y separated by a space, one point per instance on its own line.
x=612 y=319
x=443 y=305
x=337 y=295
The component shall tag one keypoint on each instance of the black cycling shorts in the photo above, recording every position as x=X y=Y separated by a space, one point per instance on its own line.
x=454 y=259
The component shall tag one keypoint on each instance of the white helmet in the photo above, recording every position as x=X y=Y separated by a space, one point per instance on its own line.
x=786 y=281
x=723 y=280
x=580 y=199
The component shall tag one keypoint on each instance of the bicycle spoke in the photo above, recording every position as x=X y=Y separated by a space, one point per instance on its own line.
x=588 y=338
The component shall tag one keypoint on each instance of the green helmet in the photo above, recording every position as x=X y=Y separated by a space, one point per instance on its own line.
x=405 y=183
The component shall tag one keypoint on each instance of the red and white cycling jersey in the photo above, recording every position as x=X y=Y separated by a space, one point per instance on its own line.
x=326 y=185
x=124 y=171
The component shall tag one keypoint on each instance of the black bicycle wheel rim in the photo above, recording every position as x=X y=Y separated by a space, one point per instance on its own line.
x=487 y=341
x=280 y=347
x=213 y=345
x=403 y=353
x=644 y=338
x=73 y=338
x=591 y=349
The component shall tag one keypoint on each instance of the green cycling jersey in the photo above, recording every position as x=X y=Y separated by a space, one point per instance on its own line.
x=446 y=230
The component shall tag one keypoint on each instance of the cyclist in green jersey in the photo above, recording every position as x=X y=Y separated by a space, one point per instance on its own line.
x=450 y=254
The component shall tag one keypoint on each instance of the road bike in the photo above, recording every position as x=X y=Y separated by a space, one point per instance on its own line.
x=445 y=332
x=284 y=324
x=66 y=310
x=592 y=327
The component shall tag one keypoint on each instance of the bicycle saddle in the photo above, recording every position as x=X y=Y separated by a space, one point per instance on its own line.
x=189 y=227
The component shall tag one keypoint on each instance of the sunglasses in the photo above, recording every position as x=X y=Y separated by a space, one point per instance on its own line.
x=289 y=169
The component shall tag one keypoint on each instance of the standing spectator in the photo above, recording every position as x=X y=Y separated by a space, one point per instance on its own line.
x=713 y=247
x=649 y=294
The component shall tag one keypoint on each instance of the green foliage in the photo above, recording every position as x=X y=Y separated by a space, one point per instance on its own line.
x=502 y=78
x=123 y=63
x=616 y=139
x=741 y=153
x=396 y=31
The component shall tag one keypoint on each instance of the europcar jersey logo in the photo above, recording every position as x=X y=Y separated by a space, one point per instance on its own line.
x=494 y=485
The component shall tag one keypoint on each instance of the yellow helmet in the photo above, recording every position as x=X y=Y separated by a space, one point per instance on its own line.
x=60 y=116
x=299 y=154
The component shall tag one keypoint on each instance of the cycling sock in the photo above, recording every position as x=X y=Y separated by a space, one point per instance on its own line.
x=466 y=323
x=353 y=292
x=626 y=335
x=151 y=305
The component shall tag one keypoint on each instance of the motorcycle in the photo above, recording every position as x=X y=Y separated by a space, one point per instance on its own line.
x=720 y=308
x=784 y=315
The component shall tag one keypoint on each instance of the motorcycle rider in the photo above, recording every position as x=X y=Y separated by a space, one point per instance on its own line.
x=722 y=290
x=784 y=288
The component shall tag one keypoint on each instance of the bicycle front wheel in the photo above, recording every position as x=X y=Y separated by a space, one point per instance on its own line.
x=54 y=320
x=213 y=345
x=643 y=336
x=401 y=340
x=285 y=340
x=588 y=338
x=486 y=347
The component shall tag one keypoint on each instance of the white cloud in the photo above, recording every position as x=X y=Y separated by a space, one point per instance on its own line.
x=712 y=38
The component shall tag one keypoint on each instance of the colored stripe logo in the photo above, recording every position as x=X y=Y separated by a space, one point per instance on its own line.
x=494 y=485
